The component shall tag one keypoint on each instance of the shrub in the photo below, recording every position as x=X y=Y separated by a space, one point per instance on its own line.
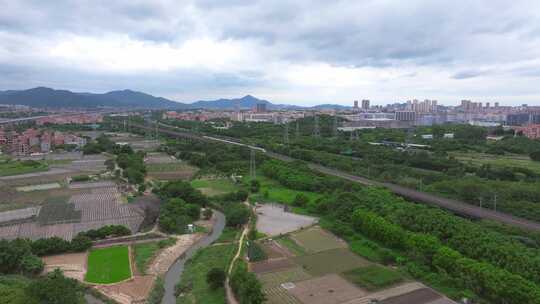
x=215 y=278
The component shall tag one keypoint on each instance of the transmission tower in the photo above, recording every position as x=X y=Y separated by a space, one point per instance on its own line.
x=286 y=134
x=125 y=124
x=297 y=132
x=316 y=129
x=252 y=171
x=335 y=127
x=157 y=134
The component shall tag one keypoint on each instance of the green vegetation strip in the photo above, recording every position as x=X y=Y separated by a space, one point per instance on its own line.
x=330 y=261
x=108 y=265
x=316 y=240
x=292 y=246
x=193 y=284
x=373 y=277
x=8 y=168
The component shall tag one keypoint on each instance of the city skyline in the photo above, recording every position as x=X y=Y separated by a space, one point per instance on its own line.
x=302 y=53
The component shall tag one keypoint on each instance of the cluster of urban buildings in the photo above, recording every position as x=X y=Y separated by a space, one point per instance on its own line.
x=33 y=141
x=81 y=118
x=411 y=113
x=260 y=113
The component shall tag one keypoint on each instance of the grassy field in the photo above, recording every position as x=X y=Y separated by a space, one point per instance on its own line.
x=272 y=191
x=316 y=240
x=330 y=261
x=272 y=279
x=143 y=254
x=291 y=245
x=212 y=187
x=193 y=283
x=21 y=167
x=228 y=235
x=108 y=265
x=508 y=160
x=373 y=277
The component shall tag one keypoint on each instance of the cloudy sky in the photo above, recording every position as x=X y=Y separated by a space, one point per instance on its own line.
x=291 y=51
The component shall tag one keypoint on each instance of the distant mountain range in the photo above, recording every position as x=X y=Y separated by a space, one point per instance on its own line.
x=42 y=97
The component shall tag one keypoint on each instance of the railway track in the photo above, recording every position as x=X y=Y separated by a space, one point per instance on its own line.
x=411 y=194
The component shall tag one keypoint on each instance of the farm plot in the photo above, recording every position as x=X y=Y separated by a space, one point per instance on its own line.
x=330 y=261
x=316 y=239
x=270 y=265
x=17 y=215
x=329 y=289
x=279 y=295
x=108 y=265
x=273 y=220
x=212 y=187
x=171 y=171
x=89 y=185
x=35 y=174
x=277 y=278
x=275 y=251
x=48 y=186
x=373 y=277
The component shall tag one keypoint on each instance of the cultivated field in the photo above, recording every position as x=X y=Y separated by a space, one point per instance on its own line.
x=316 y=239
x=330 y=261
x=212 y=187
x=312 y=266
x=66 y=212
x=108 y=265
x=508 y=160
x=328 y=289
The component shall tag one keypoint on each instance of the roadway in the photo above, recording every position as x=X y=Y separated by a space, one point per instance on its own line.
x=411 y=194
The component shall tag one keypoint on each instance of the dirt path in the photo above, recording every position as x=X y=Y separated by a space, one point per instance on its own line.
x=230 y=295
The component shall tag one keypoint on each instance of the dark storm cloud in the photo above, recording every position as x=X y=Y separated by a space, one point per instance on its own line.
x=468 y=39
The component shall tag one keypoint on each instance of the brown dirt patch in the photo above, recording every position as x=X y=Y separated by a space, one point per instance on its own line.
x=270 y=265
x=134 y=290
x=72 y=264
x=420 y=296
x=329 y=289
x=274 y=251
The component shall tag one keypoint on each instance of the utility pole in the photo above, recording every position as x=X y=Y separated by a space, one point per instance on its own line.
x=157 y=135
x=252 y=171
x=495 y=202
x=480 y=202
x=125 y=129
x=286 y=134
x=316 y=129
x=297 y=130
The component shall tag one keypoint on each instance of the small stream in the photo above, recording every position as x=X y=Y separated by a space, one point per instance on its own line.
x=173 y=275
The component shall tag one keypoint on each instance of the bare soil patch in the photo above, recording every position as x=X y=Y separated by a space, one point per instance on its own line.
x=420 y=296
x=270 y=265
x=329 y=289
x=72 y=264
x=273 y=220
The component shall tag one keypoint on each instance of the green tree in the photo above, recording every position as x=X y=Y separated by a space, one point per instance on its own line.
x=215 y=278
x=55 y=288
x=236 y=214
x=535 y=155
x=301 y=200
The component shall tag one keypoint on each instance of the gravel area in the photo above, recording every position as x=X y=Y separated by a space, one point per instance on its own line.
x=272 y=220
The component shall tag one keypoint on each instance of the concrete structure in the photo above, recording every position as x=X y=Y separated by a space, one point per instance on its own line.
x=530 y=131
x=365 y=104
